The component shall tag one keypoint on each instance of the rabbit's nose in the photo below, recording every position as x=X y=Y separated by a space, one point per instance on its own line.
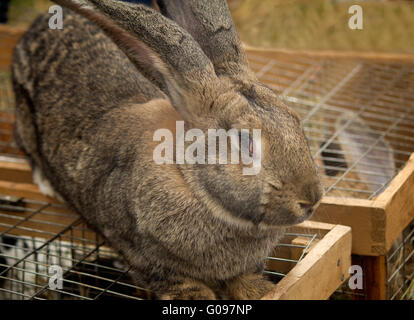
x=313 y=193
x=306 y=206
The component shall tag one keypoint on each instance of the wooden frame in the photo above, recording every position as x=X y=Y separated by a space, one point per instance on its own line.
x=316 y=276
x=376 y=223
x=8 y=39
x=322 y=270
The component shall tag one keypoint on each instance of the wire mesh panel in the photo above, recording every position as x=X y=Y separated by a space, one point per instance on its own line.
x=36 y=235
x=290 y=251
x=357 y=116
x=399 y=271
x=400 y=267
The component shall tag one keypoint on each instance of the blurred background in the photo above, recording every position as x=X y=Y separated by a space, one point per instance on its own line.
x=297 y=24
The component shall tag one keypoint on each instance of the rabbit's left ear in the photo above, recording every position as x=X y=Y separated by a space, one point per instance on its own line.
x=211 y=25
x=164 y=52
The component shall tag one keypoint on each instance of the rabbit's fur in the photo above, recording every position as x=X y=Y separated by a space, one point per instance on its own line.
x=88 y=104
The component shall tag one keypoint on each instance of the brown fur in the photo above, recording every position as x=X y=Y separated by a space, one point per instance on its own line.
x=248 y=287
x=88 y=104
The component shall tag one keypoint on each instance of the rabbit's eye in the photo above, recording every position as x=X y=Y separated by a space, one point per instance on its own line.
x=242 y=140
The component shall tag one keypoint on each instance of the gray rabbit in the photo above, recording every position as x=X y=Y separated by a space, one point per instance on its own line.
x=89 y=99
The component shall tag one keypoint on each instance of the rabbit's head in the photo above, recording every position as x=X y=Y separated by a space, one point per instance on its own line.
x=204 y=72
x=282 y=188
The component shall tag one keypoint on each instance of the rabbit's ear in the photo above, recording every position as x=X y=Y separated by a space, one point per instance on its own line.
x=367 y=151
x=159 y=48
x=211 y=24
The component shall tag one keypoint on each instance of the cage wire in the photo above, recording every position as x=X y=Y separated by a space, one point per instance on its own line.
x=358 y=118
x=400 y=266
x=36 y=235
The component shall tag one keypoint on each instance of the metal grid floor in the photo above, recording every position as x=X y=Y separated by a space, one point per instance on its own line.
x=36 y=235
x=358 y=116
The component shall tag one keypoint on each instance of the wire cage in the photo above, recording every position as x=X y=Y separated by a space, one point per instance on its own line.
x=396 y=272
x=53 y=236
x=40 y=238
x=400 y=267
x=41 y=242
x=358 y=116
x=357 y=113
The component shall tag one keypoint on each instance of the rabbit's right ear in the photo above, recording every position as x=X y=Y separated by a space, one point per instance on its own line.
x=164 y=52
x=211 y=24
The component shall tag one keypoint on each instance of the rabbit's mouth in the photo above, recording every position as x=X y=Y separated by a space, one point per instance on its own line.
x=278 y=208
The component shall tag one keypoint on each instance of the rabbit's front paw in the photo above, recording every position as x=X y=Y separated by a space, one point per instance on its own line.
x=248 y=287
x=189 y=290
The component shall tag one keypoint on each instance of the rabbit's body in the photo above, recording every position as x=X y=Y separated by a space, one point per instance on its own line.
x=86 y=118
x=92 y=168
